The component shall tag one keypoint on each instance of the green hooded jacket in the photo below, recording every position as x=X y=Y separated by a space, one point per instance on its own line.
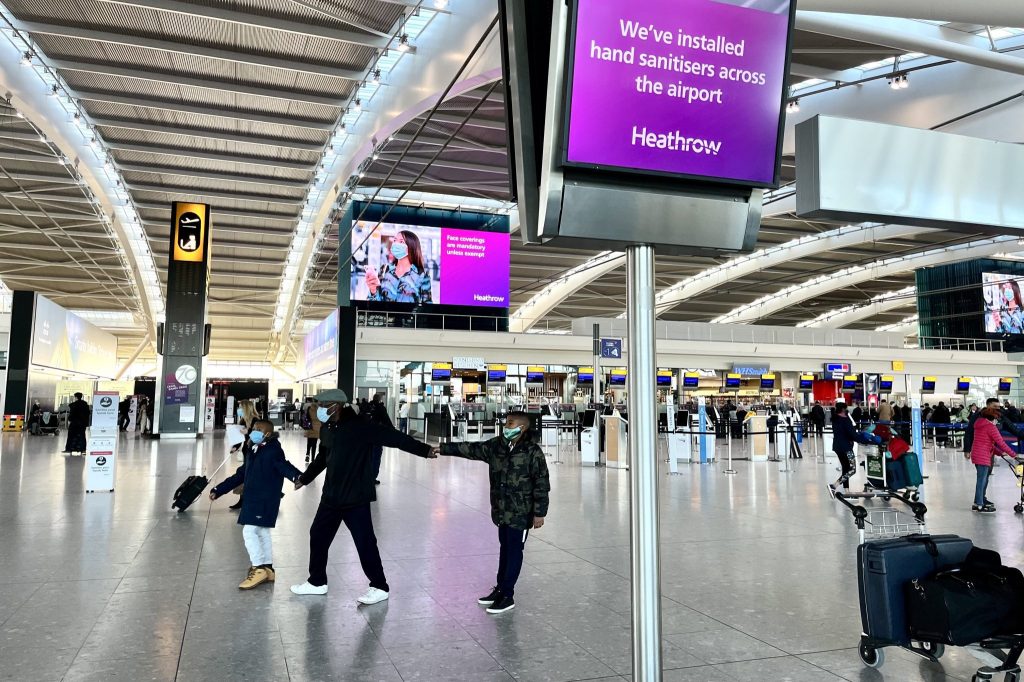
x=519 y=478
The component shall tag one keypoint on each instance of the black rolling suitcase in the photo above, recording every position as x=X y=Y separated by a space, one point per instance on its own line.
x=884 y=567
x=190 y=490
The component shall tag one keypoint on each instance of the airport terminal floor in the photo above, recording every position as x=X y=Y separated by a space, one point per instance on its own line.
x=758 y=575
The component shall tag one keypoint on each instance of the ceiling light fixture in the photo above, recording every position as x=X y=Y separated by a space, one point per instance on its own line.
x=403 y=43
x=904 y=82
x=26 y=59
x=357 y=106
x=54 y=91
x=793 y=107
x=375 y=79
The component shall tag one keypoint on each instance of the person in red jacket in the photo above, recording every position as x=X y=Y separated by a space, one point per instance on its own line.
x=987 y=440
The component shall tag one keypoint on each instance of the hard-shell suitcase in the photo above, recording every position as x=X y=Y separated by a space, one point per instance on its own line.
x=192 y=487
x=912 y=469
x=896 y=479
x=885 y=566
x=189 y=491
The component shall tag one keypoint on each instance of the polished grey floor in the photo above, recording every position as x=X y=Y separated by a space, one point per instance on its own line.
x=758 y=574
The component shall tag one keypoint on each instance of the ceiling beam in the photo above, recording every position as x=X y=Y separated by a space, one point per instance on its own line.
x=186 y=80
x=55 y=215
x=451 y=144
x=219 y=211
x=445 y=163
x=31 y=158
x=183 y=47
x=19 y=135
x=211 y=156
x=252 y=19
x=210 y=175
x=471 y=122
x=38 y=177
x=219 y=194
x=203 y=110
x=808 y=71
x=168 y=129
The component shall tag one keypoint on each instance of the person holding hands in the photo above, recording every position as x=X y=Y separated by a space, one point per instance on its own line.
x=349 y=490
x=263 y=473
x=519 y=498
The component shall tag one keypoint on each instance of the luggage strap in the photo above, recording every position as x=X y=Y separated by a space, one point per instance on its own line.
x=928 y=543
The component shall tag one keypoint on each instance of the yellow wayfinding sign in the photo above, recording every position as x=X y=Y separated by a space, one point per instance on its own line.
x=189 y=225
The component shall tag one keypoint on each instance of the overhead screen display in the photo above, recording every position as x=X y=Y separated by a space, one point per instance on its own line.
x=691 y=380
x=63 y=340
x=683 y=87
x=664 y=378
x=1004 y=385
x=429 y=265
x=806 y=382
x=441 y=372
x=497 y=374
x=1004 y=305
x=321 y=347
x=617 y=377
x=585 y=376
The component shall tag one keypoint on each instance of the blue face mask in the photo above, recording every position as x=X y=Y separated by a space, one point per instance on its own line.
x=240 y=413
x=399 y=250
x=512 y=434
x=322 y=414
x=256 y=437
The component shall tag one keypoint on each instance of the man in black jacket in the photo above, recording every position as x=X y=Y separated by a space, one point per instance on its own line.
x=348 y=491
x=377 y=413
x=817 y=419
x=78 y=422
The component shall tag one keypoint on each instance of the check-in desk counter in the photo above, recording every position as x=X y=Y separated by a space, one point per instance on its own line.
x=616 y=444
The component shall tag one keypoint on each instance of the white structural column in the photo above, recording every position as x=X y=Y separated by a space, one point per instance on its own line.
x=840 y=238
x=912 y=36
x=643 y=461
x=982 y=12
x=542 y=303
x=819 y=286
x=841 y=317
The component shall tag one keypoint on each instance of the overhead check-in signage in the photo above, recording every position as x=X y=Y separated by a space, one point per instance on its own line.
x=189 y=231
x=691 y=88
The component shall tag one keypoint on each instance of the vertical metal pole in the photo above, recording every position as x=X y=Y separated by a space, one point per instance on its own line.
x=598 y=398
x=643 y=440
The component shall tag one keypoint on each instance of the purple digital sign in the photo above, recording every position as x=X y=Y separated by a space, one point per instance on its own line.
x=684 y=87
x=420 y=265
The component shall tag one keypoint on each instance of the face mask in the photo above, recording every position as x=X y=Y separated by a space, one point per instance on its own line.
x=1008 y=293
x=240 y=414
x=511 y=434
x=399 y=250
x=322 y=414
x=256 y=437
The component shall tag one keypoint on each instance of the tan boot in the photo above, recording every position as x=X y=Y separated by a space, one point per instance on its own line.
x=271 y=574
x=257 y=576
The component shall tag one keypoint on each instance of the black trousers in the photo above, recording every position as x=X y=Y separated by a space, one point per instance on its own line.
x=325 y=526
x=846 y=461
x=311 y=447
x=510 y=558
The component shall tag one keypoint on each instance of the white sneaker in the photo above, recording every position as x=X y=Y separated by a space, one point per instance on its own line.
x=373 y=596
x=306 y=588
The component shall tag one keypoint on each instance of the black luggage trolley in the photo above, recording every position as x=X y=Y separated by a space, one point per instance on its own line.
x=894 y=550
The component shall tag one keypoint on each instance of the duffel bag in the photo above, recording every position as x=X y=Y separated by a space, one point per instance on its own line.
x=981 y=599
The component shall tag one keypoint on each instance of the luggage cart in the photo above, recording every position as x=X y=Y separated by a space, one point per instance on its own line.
x=879 y=525
x=887 y=474
x=1016 y=465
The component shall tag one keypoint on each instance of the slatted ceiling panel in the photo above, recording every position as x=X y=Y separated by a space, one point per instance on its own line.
x=84 y=13
x=206 y=165
x=185 y=143
x=283 y=211
x=380 y=14
x=184 y=183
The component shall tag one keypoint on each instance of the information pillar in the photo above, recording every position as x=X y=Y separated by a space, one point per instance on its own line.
x=181 y=400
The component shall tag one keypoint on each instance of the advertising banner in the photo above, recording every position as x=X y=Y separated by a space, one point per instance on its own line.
x=320 y=347
x=683 y=87
x=63 y=340
x=429 y=265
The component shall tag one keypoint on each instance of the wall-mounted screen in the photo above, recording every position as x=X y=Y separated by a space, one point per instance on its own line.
x=429 y=265
x=697 y=87
x=732 y=381
x=885 y=383
x=963 y=385
x=440 y=372
x=1004 y=386
x=849 y=382
x=1004 y=305
x=497 y=374
x=664 y=378
x=320 y=348
x=535 y=375
x=928 y=385
x=837 y=370
x=691 y=380
x=63 y=340
x=585 y=376
x=767 y=382
x=806 y=382
x=617 y=377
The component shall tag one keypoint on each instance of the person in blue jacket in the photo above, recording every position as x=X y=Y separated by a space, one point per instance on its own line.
x=844 y=435
x=263 y=473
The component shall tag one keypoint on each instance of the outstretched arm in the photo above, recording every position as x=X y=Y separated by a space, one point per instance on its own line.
x=541 y=488
x=230 y=483
x=391 y=438
x=474 y=451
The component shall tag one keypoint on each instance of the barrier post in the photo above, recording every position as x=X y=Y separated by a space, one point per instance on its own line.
x=728 y=440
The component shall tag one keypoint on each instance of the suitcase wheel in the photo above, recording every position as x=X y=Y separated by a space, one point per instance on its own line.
x=915 y=497
x=936 y=649
x=1019 y=508
x=872 y=657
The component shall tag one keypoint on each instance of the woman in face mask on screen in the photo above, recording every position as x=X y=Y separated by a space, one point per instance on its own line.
x=403 y=278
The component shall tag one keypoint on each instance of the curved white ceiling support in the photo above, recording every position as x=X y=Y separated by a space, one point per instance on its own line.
x=29 y=87
x=906 y=325
x=841 y=317
x=569 y=283
x=809 y=245
x=819 y=286
x=912 y=36
x=983 y=12
x=410 y=88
